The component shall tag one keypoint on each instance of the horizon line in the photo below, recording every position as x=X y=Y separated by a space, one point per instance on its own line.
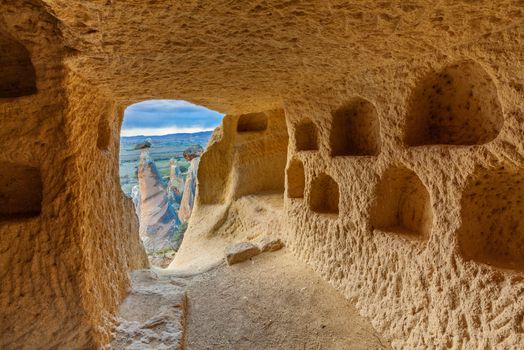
x=189 y=131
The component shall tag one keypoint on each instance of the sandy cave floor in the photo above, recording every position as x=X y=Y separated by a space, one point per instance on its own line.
x=270 y=302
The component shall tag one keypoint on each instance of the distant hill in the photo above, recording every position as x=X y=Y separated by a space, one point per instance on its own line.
x=171 y=137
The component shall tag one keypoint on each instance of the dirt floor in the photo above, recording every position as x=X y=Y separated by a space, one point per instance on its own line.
x=272 y=302
x=153 y=315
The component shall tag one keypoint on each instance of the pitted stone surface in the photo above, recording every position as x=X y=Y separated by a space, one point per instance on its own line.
x=64 y=271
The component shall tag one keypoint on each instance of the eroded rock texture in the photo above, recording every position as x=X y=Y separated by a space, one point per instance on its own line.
x=188 y=196
x=426 y=96
x=158 y=219
x=68 y=236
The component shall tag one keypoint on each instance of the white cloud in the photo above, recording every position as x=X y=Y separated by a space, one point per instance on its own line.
x=162 y=104
x=162 y=131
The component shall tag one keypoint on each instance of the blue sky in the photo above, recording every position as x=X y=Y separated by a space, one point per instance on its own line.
x=162 y=117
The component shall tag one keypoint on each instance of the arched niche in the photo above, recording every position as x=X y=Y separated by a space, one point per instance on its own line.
x=402 y=204
x=456 y=106
x=492 y=216
x=355 y=129
x=17 y=74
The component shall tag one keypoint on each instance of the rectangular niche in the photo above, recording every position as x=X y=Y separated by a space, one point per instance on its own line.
x=296 y=179
x=20 y=191
x=324 y=195
x=306 y=138
x=252 y=122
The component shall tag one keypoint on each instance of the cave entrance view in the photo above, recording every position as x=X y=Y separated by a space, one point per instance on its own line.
x=351 y=178
x=216 y=242
x=161 y=142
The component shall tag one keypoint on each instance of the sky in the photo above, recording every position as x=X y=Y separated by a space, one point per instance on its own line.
x=163 y=117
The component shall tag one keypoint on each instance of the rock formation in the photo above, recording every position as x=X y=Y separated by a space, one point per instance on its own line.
x=192 y=152
x=188 y=196
x=158 y=219
x=176 y=184
x=382 y=141
x=143 y=145
x=239 y=252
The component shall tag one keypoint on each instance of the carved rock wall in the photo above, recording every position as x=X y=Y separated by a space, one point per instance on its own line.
x=107 y=226
x=68 y=235
x=427 y=236
x=425 y=96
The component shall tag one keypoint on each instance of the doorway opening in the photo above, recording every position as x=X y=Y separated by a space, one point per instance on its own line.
x=160 y=147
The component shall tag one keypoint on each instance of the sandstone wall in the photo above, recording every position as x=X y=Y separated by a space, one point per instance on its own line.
x=404 y=163
x=246 y=155
x=39 y=246
x=68 y=237
x=259 y=153
x=107 y=226
x=239 y=189
x=427 y=234
x=405 y=192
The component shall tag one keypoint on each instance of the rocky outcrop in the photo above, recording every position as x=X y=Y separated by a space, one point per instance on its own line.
x=143 y=145
x=239 y=252
x=269 y=244
x=176 y=184
x=175 y=174
x=192 y=152
x=158 y=219
x=188 y=196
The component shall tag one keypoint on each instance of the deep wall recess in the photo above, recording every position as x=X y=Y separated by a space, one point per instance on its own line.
x=355 y=130
x=402 y=204
x=306 y=136
x=104 y=133
x=20 y=191
x=252 y=122
x=17 y=74
x=492 y=210
x=456 y=106
x=324 y=195
x=296 y=179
